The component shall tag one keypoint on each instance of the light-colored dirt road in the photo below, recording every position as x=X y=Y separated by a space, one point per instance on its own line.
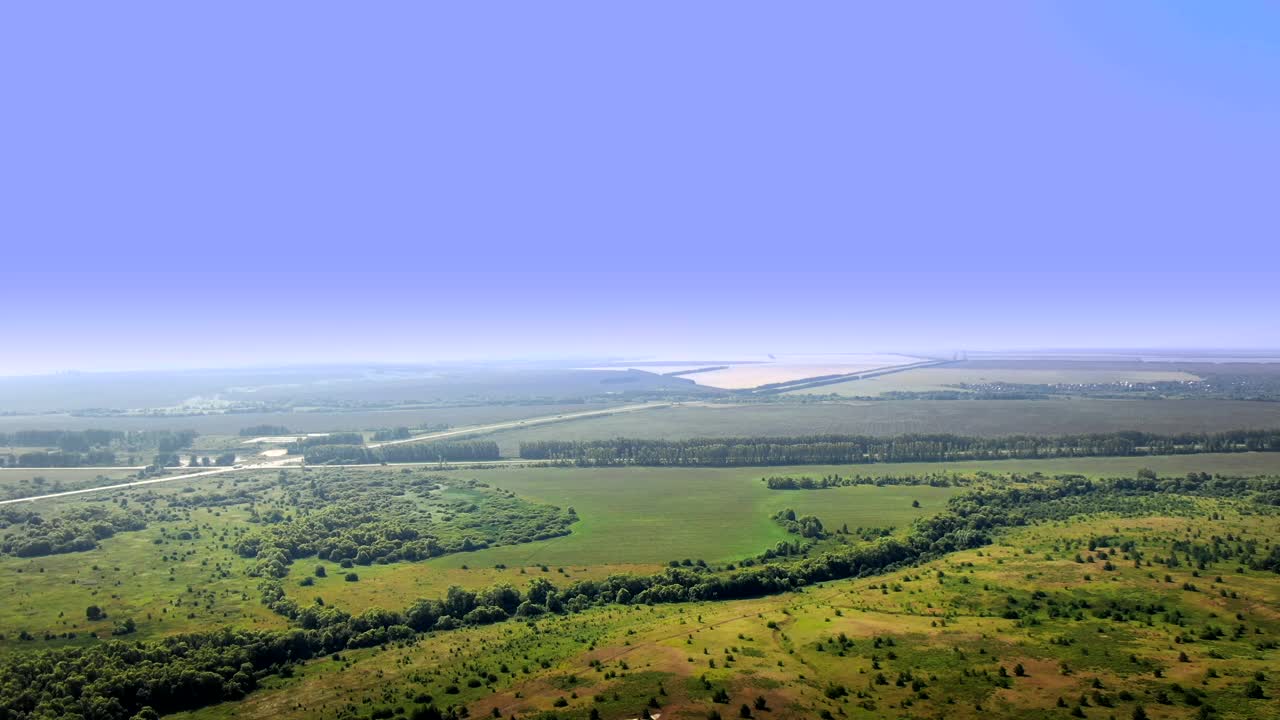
x=527 y=422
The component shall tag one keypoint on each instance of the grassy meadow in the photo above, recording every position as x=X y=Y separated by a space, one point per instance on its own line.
x=929 y=641
x=1096 y=630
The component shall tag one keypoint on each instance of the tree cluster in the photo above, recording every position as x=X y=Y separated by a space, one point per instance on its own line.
x=28 y=534
x=462 y=451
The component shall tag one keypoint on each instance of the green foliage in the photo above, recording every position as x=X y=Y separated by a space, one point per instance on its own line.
x=350 y=518
x=29 y=534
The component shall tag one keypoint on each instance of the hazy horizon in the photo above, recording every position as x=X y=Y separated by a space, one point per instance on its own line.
x=150 y=321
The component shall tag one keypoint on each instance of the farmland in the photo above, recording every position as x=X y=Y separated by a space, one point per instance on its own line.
x=946 y=378
x=986 y=418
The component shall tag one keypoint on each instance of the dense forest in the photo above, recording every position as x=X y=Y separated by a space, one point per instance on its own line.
x=117 y=680
x=845 y=449
x=461 y=451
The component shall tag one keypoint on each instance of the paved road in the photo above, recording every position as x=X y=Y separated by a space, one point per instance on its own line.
x=297 y=459
x=152 y=481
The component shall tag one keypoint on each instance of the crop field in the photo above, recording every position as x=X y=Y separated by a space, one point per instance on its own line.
x=945 y=378
x=986 y=418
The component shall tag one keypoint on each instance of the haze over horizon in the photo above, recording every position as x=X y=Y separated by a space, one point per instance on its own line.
x=263 y=319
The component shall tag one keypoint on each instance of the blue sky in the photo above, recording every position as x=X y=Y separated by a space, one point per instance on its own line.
x=170 y=167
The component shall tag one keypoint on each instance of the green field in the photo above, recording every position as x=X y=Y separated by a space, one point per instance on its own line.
x=165 y=584
x=986 y=418
x=653 y=515
x=947 y=618
x=631 y=520
x=926 y=642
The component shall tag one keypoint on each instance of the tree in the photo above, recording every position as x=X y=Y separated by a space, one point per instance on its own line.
x=744 y=711
x=1139 y=713
x=1019 y=670
x=761 y=703
x=915 y=503
x=320 y=571
x=93 y=612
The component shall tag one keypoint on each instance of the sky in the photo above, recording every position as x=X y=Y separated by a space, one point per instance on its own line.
x=195 y=185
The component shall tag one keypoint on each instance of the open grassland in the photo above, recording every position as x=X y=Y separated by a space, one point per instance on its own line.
x=946 y=378
x=630 y=520
x=1075 y=618
x=182 y=572
x=985 y=418
x=172 y=577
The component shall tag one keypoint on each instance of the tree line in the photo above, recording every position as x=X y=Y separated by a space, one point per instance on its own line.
x=79 y=448
x=461 y=451
x=850 y=449
x=806 y=482
x=264 y=431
